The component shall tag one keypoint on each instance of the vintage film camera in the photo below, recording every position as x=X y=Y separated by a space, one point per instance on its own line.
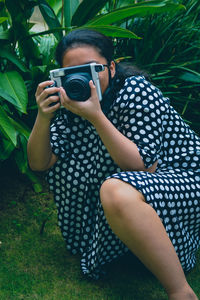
x=75 y=80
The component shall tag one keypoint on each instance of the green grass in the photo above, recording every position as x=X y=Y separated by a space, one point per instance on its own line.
x=38 y=266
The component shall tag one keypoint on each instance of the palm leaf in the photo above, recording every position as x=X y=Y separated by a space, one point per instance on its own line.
x=86 y=11
x=142 y=9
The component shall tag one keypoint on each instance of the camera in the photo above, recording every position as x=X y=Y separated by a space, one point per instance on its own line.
x=75 y=80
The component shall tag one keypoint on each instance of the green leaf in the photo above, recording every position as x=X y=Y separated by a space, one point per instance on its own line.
x=190 y=77
x=7 y=128
x=6 y=148
x=50 y=17
x=14 y=85
x=186 y=69
x=27 y=46
x=21 y=128
x=22 y=163
x=9 y=98
x=48 y=11
x=54 y=30
x=86 y=11
x=141 y=10
x=47 y=47
x=3 y=19
x=37 y=185
x=70 y=7
x=55 y=5
x=113 y=31
x=5 y=35
x=8 y=54
x=21 y=154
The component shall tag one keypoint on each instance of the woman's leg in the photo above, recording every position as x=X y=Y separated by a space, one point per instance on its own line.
x=141 y=230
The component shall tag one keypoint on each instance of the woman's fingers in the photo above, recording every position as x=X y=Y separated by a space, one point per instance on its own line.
x=47 y=98
x=92 y=88
x=51 y=108
x=50 y=101
x=86 y=109
x=42 y=85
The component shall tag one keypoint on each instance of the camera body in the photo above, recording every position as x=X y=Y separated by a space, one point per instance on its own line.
x=75 y=80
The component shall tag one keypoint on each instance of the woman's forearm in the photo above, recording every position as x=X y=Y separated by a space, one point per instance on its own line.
x=123 y=151
x=39 y=150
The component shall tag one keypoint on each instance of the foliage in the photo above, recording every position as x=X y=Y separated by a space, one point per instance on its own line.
x=21 y=63
x=170 y=51
x=27 y=56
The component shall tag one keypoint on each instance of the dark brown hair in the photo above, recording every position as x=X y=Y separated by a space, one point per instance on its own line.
x=103 y=45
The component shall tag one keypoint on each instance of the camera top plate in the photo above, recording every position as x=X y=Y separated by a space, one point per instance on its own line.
x=75 y=69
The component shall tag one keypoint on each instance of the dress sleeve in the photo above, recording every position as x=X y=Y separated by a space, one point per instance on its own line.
x=142 y=107
x=59 y=132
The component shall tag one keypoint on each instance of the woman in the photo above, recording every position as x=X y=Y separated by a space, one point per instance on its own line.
x=124 y=171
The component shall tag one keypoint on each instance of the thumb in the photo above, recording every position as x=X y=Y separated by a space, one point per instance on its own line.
x=93 y=89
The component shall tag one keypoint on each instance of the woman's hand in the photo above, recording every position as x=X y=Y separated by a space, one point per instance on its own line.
x=47 y=104
x=89 y=109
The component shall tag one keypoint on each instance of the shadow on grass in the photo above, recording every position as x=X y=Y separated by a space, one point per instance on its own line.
x=35 y=266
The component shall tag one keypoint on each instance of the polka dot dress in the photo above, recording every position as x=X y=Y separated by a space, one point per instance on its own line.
x=145 y=116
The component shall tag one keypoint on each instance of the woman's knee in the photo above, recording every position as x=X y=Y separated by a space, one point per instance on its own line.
x=110 y=190
x=115 y=194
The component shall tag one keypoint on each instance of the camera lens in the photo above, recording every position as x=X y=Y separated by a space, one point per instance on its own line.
x=77 y=86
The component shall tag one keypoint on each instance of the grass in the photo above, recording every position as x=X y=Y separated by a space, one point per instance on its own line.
x=38 y=266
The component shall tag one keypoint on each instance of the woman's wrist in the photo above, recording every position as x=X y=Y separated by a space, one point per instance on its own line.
x=44 y=118
x=97 y=119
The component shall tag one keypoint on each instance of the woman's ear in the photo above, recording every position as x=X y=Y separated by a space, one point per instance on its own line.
x=112 y=68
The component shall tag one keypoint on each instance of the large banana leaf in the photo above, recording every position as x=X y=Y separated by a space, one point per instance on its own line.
x=12 y=83
x=11 y=56
x=110 y=30
x=10 y=99
x=86 y=11
x=7 y=128
x=140 y=9
x=21 y=128
x=113 y=31
x=50 y=17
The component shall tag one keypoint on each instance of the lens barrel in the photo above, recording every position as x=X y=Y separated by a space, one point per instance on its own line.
x=77 y=86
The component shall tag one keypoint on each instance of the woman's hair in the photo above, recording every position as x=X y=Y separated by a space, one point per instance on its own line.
x=83 y=37
x=103 y=45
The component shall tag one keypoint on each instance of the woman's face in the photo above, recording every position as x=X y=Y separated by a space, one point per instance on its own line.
x=87 y=54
